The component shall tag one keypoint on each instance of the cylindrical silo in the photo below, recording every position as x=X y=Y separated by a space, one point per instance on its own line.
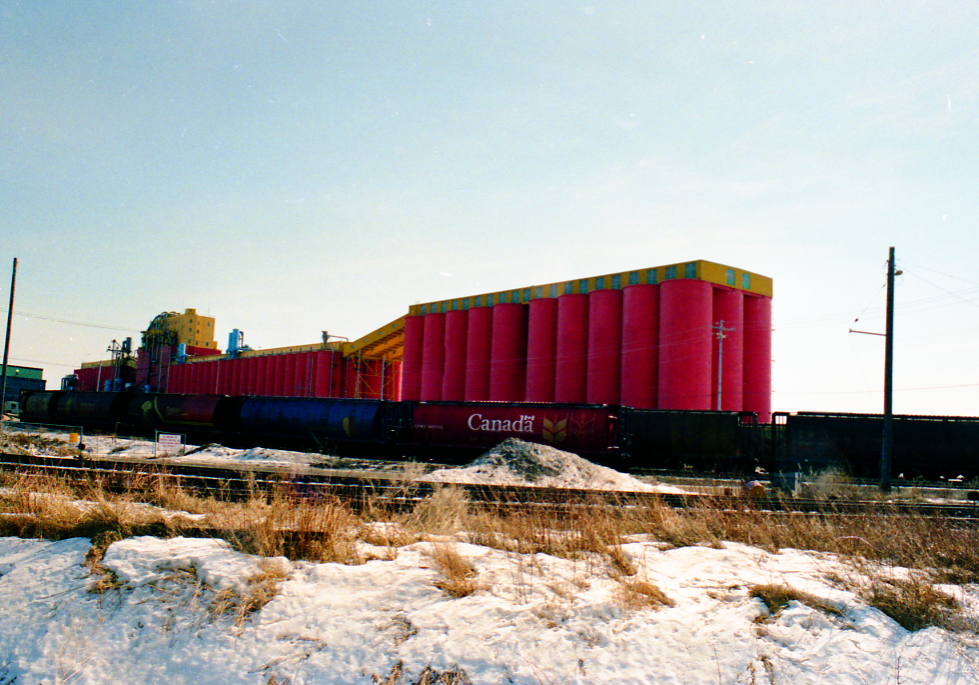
x=322 y=373
x=604 y=346
x=177 y=384
x=433 y=357
x=210 y=378
x=209 y=367
x=454 y=376
x=640 y=345
x=758 y=356
x=197 y=378
x=541 y=349
x=253 y=375
x=685 y=344
x=278 y=375
x=289 y=377
x=179 y=379
x=236 y=383
x=479 y=341
x=269 y=375
x=508 y=354
x=193 y=379
x=221 y=377
x=228 y=373
x=257 y=375
x=202 y=373
x=729 y=350
x=571 y=367
x=300 y=380
x=340 y=387
x=411 y=375
x=248 y=380
x=233 y=373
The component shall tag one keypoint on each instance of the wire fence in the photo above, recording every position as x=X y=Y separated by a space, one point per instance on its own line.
x=73 y=441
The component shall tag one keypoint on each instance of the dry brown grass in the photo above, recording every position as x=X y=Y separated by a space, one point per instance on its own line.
x=105 y=579
x=621 y=562
x=915 y=542
x=915 y=603
x=777 y=597
x=444 y=512
x=642 y=594
x=261 y=589
x=428 y=676
x=326 y=529
x=457 y=577
x=321 y=530
x=16 y=442
x=48 y=508
x=587 y=528
x=910 y=597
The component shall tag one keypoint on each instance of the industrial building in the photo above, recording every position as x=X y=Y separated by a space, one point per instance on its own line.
x=20 y=378
x=681 y=336
x=693 y=335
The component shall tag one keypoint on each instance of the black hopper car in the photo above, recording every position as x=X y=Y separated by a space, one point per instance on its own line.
x=929 y=448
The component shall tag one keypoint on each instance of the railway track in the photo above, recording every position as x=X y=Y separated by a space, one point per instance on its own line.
x=361 y=488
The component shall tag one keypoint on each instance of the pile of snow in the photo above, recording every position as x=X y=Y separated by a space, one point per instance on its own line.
x=549 y=620
x=220 y=455
x=516 y=462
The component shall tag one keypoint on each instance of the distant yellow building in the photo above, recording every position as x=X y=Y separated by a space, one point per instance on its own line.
x=193 y=329
x=188 y=328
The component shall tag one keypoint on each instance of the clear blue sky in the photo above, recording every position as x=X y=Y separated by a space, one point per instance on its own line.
x=290 y=167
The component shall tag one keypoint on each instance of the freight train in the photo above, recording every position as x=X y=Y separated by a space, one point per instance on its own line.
x=445 y=431
x=631 y=439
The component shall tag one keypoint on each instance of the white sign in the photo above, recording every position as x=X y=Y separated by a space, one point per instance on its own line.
x=168 y=442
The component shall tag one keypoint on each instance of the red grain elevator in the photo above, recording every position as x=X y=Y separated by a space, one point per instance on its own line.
x=693 y=335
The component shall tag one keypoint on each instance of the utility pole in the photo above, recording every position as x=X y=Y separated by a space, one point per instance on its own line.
x=887 y=444
x=887 y=439
x=721 y=330
x=6 y=344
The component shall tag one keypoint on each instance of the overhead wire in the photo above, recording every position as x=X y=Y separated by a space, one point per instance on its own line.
x=126 y=328
x=40 y=361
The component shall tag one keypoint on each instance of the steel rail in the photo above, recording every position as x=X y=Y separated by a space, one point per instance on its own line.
x=361 y=488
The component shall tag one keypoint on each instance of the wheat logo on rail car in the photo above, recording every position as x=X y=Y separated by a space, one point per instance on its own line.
x=555 y=431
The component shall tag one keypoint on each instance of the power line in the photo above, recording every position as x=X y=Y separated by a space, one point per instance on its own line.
x=957 y=295
x=108 y=327
x=942 y=273
x=38 y=361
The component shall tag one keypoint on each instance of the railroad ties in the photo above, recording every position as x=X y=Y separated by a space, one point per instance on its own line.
x=394 y=491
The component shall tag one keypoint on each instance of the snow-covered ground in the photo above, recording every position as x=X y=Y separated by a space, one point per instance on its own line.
x=534 y=619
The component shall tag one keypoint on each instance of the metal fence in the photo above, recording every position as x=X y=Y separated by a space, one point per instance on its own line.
x=38 y=438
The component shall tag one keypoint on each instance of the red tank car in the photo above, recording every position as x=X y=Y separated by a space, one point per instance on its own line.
x=171 y=412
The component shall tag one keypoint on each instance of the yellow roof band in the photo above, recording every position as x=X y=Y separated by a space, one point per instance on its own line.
x=719 y=274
